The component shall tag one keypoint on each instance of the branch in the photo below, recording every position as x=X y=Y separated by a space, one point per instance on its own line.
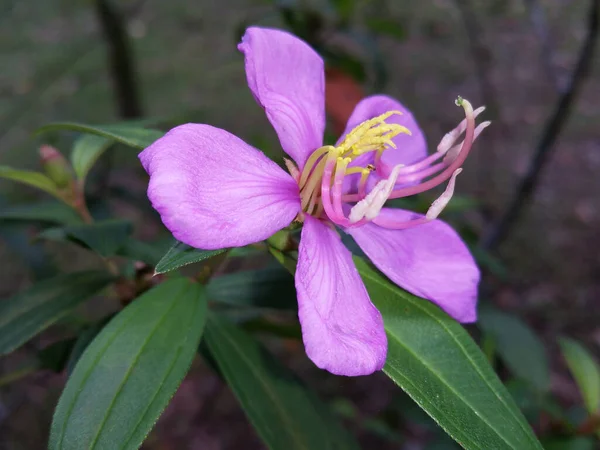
x=552 y=130
x=120 y=60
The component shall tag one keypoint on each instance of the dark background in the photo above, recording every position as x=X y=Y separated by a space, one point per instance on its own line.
x=515 y=56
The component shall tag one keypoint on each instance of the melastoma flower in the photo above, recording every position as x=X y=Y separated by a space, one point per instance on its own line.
x=213 y=190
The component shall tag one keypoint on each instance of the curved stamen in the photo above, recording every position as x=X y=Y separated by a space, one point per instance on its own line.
x=418 y=176
x=338 y=181
x=450 y=138
x=308 y=191
x=458 y=161
x=369 y=207
x=432 y=213
x=310 y=163
x=362 y=184
x=326 y=187
x=442 y=201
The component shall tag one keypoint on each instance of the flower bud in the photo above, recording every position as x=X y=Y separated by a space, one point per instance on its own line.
x=56 y=166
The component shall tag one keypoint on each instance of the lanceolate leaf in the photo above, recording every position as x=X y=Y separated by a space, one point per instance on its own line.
x=33 y=310
x=131 y=136
x=128 y=374
x=47 y=211
x=181 y=255
x=433 y=359
x=104 y=238
x=35 y=179
x=437 y=363
x=585 y=370
x=286 y=415
x=86 y=151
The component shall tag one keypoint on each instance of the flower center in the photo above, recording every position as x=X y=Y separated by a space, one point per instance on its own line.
x=321 y=181
x=373 y=135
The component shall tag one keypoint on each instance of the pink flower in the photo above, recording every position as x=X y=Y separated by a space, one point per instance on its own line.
x=213 y=191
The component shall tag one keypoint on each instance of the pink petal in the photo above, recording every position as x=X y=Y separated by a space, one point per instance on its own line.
x=287 y=79
x=343 y=332
x=410 y=148
x=212 y=190
x=430 y=261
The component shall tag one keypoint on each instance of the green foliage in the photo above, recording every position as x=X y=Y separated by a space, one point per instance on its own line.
x=128 y=135
x=34 y=179
x=437 y=363
x=271 y=287
x=84 y=339
x=47 y=211
x=181 y=255
x=285 y=414
x=586 y=371
x=86 y=151
x=519 y=347
x=128 y=374
x=105 y=238
x=33 y=310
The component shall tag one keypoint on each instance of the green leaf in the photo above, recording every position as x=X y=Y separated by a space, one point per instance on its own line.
x=271 y=287
x=181 y=255
x=35 y=179
x=585 y=370
x=128 y=374
x=105 y=238
x=286 y=415
x=519 y=347
x=84 y=339
x=48 y=211
x=437 y=363
x=86 y=151
x=33 y=310
x=135 y=137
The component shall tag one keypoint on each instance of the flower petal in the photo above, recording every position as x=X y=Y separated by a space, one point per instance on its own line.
x=343 y=332
x=287 y=79
x=429 y=260
x=410 y=149
x=212 y=190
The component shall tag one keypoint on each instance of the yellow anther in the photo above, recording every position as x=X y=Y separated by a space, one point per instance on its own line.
x=359 y=131
x=372 y=135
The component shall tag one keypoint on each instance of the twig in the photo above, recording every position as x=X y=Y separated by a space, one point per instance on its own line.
x=120 y=60
x=122 y=71
x=552 y=130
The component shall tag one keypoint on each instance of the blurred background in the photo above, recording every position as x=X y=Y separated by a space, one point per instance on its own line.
x=531 y=62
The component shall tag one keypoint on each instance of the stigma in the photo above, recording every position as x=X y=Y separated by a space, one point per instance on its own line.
x=327 y=193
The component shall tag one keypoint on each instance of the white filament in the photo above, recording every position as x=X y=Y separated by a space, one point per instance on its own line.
x=442 y=201
x=370 y=206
